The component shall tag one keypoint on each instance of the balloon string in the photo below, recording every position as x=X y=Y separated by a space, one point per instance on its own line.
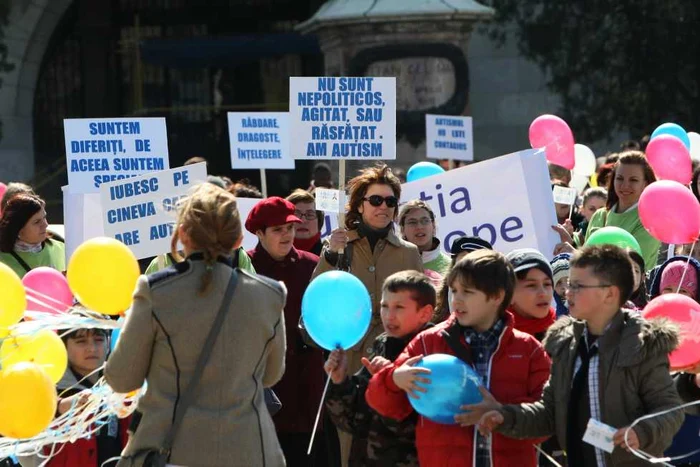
x=685 y=269
x=547 y=456
x=648 y=457
x=318 y=415
x=45 y=297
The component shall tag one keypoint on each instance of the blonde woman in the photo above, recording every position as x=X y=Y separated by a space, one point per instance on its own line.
x=225 y=422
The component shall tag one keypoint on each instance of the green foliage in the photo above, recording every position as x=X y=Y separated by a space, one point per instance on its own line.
x=627 y=65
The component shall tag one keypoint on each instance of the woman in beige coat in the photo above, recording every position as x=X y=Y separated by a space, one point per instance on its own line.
x=227 y=423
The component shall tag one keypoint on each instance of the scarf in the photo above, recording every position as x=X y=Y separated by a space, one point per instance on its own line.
x=24 y=247
x=306 y=244
x=533 y=326
x=373 y=235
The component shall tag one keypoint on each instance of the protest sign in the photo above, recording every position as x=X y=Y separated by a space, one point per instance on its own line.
x=100 y=150
x=259 y=140
x=343 y=117
x=449 y=137
x=81 y=218
x=329 y=200
x=564 y=195
x=506 y=201
x=141 y=211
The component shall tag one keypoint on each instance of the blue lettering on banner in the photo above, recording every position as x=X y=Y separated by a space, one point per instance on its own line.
x=100 y=179
x=129 y=238
x=458 y=201
x=114 y=128
x=97 y=146
x=137 y=188
x=130 y=213
x=170 y=204
x=181 y=177
x=460 y=135
x=162 y=231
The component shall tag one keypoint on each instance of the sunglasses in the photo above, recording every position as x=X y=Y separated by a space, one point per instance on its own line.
x=376 y=201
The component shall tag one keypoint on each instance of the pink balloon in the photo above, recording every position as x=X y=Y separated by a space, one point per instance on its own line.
x=553 y=134
x=670 y=159
x=670 y=212
x=3 y=189
x=50 y=287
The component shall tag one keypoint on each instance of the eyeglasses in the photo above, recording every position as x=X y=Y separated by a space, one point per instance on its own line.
x=576 y=288
x=376 y=201
x=308 y=215
x=415 y=222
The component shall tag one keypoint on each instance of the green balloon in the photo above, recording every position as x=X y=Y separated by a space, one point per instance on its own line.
x=614 y=236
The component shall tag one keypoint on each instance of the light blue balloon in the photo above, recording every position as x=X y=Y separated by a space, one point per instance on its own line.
x=336 y=310
x=115 y=336
x=673 y=130
x=423 y=170
x=453 y=383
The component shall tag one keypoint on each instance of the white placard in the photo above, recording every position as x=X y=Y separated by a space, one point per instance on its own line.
x=506 y=201
x=449 y=137
x=100 y=150
x=600 y=435
x=259 y=140
x=343 y=117
x=81 y=218
x=328 y=200
x=564 y=195
x=141 y=211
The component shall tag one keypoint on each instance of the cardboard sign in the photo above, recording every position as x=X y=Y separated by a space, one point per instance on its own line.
x=81 y=218
x=343 y=117
x=259 y=140
x=100 y=150
x=506 y=201
x=140 y=212
x=328 y=200
x=563 y=195
x=449 y=137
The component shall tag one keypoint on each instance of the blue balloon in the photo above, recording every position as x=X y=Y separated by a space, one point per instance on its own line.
x=673 y=130
x=336 y=310
x=115 y=335
x=453 y=383
x=423 y=170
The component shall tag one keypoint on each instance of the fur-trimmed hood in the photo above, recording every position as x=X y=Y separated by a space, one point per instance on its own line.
x=637 y=338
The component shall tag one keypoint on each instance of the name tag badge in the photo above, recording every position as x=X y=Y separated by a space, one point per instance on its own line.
x=600 y=435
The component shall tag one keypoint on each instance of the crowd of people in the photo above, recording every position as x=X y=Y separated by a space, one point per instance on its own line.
x=554 y=343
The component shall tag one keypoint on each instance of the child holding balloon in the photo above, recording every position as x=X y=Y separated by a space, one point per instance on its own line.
x=407 y=304
x=618 y=353
x=511 y=364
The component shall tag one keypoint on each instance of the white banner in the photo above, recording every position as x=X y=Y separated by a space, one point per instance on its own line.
x=506 y=201
x=100 y=150
x=141 y=212
x=81 y=218
x=343 y=117
x=449 y=137
x=259 y=140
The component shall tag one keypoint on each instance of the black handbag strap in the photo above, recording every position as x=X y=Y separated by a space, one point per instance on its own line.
x=21 y=262
x=188 y=396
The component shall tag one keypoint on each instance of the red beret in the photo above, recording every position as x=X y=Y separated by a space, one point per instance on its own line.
x=269 y=213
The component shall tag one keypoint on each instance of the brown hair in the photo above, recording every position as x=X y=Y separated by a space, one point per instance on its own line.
x=628 y=158
x=303 y=196
x=15 y=216
x=379 y=174
x=610 y=264
x=487 y=271
x=15 y=188
x=209 y=216
x=243 y=189
x=422 y=291
x=415 y=204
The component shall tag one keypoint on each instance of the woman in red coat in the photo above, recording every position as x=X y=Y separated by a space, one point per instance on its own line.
x=273 y=221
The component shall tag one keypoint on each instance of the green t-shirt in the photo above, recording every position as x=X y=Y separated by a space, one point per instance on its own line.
x=52 y=255
x=440 y=263
x=163 y=261
x=629 y=221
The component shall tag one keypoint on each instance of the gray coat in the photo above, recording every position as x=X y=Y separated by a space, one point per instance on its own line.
x=227 y=423
x=634 y=381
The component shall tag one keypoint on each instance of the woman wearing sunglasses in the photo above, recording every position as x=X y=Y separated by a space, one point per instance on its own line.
x=371 y=250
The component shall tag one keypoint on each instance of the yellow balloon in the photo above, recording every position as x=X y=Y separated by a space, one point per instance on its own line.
x=102 y=273
x=27 y=401
x=44 y=348
x=13 y=297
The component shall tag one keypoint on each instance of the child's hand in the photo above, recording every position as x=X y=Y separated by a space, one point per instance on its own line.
x=632 y=438
x=473 y=412
x=406 y=376
x=564 y=235
x=79 y=400
x=489 y=422
x=337 y=366
x=376 y=364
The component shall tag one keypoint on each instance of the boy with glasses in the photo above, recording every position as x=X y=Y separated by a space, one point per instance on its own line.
x=609 y=365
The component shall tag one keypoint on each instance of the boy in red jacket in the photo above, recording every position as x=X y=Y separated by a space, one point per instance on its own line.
x=512 y=365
